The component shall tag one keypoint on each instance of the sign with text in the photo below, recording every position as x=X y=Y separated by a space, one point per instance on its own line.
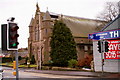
x=105 y=35
x=114 y=50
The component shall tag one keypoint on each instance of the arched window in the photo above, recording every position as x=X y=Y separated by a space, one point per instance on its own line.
x=36 y=33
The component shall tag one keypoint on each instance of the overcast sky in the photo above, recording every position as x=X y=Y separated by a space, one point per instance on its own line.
x=23 y=10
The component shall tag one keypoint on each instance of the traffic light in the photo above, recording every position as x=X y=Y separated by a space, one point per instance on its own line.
x=99 y=46
x=106 y=46
x=12 y=36
x=4 y=37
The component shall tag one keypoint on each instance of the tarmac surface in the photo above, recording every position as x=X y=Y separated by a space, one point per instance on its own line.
x=113 y=76
x=78 y=73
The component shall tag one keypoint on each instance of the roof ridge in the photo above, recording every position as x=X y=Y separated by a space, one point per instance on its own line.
x=84 y=18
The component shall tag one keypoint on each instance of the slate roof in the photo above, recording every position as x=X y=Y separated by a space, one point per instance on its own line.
x=81 y=27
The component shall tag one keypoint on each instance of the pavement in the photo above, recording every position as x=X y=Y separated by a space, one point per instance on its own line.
x=78 y=73
x=74 y=73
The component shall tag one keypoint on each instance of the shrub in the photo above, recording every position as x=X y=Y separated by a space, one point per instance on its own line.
x=19 y=58
x=63 y=46
x=6 y=59
x=72 y=63
x=32 y=60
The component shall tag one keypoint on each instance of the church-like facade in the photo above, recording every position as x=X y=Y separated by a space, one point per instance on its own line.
x=40 y=30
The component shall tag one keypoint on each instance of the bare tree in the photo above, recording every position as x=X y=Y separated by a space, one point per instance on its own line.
x=110 y=11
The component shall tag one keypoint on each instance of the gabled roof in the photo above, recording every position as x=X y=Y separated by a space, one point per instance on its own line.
x=81 y=27
x=47 y=16
x=115 y=24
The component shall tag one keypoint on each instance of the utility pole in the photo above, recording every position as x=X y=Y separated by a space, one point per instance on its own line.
x=102 y=47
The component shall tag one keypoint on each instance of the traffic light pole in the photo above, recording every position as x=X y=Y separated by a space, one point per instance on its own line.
x=10 y=40
x=102 y=48
x=16 y=59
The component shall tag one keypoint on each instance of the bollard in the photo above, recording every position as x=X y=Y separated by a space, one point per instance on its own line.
x=14 y=64
x=14 y=67
x=14 y=73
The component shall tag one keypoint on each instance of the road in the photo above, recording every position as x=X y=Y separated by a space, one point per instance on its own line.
x=22 y=74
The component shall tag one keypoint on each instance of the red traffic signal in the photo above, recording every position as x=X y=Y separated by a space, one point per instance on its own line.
x=14 y=27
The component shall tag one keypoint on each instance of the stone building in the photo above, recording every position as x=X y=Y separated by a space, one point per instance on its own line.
x=40 y=29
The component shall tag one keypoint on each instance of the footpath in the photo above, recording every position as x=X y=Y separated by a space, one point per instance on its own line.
x=77 y=73
x=85 y=73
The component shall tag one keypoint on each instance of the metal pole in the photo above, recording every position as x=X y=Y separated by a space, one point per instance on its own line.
x=102 y=55
x=16 y=58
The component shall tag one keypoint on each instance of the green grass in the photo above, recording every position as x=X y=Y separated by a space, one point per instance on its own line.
x=11 y=65
x=32 y=65
x=7 y=64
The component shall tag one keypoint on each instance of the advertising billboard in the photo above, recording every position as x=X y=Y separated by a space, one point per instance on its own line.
x=114 y=50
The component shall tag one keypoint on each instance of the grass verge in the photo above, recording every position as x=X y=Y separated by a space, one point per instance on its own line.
x=10 y=64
